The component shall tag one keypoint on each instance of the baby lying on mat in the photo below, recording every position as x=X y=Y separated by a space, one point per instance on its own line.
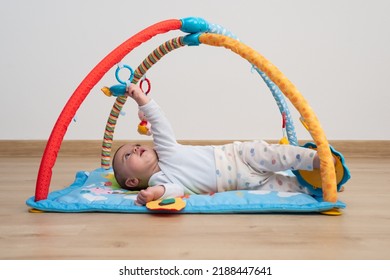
x=170 y=169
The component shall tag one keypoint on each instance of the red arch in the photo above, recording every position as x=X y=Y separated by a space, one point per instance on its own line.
x=57 y=135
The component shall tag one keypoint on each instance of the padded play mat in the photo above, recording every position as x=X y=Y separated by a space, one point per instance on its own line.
x=97 y=191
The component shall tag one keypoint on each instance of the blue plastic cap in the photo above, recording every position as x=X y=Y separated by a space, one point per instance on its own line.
x=192 y=39
x=194 y=25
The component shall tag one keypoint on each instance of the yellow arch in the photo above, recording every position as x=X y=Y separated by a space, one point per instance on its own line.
x=328 y=174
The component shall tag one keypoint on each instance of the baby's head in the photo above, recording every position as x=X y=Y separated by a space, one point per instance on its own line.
x=133 y=166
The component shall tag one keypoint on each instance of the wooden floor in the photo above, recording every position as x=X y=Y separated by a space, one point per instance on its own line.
x=362 y=232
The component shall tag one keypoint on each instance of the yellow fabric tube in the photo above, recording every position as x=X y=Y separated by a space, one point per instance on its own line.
x=327 y=171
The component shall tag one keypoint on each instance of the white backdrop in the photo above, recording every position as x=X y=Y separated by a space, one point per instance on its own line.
x=336 y=52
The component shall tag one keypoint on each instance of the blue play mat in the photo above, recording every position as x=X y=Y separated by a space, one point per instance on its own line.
x=97 y=191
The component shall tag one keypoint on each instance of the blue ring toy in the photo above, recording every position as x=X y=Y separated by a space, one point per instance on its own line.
x=117 y=74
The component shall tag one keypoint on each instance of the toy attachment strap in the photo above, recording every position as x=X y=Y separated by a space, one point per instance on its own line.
x=284 y=140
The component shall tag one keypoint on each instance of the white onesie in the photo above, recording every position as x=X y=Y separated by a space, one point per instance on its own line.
x=187 y=169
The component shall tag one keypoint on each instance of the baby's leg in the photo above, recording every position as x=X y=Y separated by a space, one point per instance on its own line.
x=283 y=183
x=264 y=157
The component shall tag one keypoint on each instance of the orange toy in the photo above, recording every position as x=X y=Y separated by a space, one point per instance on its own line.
x=169 y=204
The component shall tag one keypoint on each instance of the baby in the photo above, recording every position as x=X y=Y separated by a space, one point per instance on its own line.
x=170 y=169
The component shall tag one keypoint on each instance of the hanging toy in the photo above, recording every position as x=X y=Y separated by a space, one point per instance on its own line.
x=119 y=90
x=144 y=127
x=116 y=90
x=284 y=140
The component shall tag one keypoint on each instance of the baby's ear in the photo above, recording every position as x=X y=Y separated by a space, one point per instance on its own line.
x=132 y=182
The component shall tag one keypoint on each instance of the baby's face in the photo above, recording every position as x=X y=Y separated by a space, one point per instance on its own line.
x=136 y=161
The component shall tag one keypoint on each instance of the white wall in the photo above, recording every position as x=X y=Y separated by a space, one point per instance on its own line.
x=336 y=52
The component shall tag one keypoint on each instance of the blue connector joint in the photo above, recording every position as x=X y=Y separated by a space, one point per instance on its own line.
x=192 y=39
x=194 y=25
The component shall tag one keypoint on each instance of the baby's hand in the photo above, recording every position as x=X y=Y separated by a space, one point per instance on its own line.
x=137 y=94
x=149 y=194
x=144 y=196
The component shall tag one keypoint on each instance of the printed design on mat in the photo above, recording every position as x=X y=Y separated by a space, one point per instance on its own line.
x=105 y=188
